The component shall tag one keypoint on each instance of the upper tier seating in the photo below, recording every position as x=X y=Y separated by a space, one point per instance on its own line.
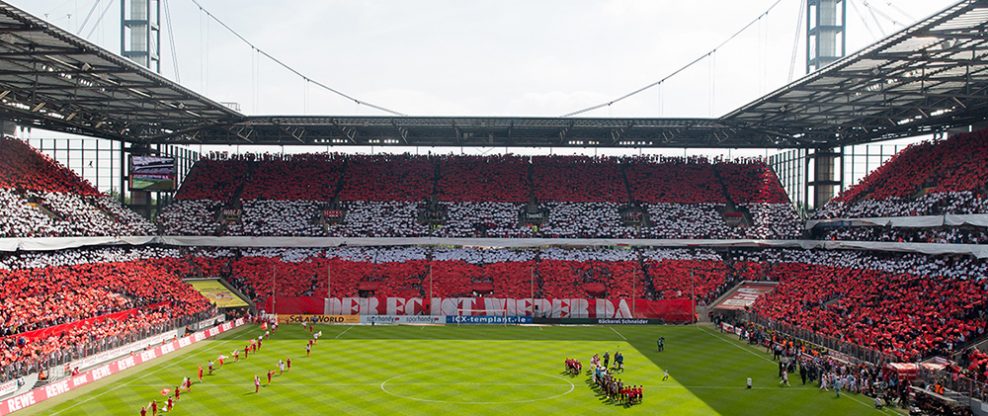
x=483 y=179
x=388 y=178
x=578 y=179
x=41 y=198
x=930 y=178
x=489 y=196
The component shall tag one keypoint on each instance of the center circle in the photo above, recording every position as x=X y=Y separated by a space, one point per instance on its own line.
x=477 y=387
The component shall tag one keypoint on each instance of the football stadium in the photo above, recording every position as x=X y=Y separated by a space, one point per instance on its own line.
x=497 y=207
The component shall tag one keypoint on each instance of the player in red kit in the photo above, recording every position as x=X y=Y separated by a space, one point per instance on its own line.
x=178 y=390
x=200 y=373
x=289 y=362
x=144 y=411
x=270 y=374
x=154 y=407
x=168 y=407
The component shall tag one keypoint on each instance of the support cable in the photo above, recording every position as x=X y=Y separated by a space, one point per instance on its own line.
x=293 y=70
x=677 y=71
x=88 y=16
x=99 y=20
x=171 y=41
x=795 y=40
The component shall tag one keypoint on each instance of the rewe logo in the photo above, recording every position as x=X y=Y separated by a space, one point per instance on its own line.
x=125 y=363
x=20 y=402
x=57 y=388
x=101 y=372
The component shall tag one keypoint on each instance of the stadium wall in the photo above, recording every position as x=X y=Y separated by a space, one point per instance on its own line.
x=922 y=221
x=60 y=243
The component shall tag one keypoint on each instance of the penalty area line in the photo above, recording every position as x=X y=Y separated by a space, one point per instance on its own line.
x=344 y=331
x=741 y=347
x=619 y=334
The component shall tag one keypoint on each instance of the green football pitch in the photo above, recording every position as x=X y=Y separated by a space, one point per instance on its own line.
x=453 y=370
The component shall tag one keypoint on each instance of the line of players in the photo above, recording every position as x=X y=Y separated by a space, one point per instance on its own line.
x=252 y=347
x=281 y=364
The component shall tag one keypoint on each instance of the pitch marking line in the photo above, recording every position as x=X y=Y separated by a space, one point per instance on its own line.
x=721 y=339
x=715 y=335
x=619 y=334
x=344 y=331
x=161 y=366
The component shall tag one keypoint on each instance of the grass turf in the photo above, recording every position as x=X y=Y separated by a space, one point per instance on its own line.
x=416 y=370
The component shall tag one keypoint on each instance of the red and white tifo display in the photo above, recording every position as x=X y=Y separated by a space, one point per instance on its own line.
x=41 y=394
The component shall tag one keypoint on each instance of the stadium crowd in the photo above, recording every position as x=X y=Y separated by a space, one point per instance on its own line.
x=939 y=177
x=812 y=364
x=906 y=306
x=936 y=235
x=510 y=196
x=41 y=198
x=57 y=305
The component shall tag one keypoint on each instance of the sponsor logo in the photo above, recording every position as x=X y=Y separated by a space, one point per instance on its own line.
x=56 y=389
x=623 y=321
x=8 y=387
x=20 y=402
x=320 y=319
x=101 y=372
x=488 y=320
x=402 y=319
x=125 y=363
x=78 y=381
x=148 y=355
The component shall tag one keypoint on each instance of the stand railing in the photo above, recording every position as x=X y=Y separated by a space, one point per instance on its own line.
x=81 y=350
x=834 y=344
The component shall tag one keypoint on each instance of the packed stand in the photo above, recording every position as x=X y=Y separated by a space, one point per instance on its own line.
x=755 y=188
x=681 y=273
x=905 y=306
x=41 y=198
x=929 y=178
x=500 y=196
x=69 y=294
x=470 y=272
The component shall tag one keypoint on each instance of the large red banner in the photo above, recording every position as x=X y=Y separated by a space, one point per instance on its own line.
x=59 y=329
x=669 y=310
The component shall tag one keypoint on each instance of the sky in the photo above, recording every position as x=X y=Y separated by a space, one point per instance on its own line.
x=484 y=57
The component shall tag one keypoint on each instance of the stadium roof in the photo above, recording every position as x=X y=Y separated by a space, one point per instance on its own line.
x=932 y=75
x=928 y=77
x=52 y=79
x=490 y=131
